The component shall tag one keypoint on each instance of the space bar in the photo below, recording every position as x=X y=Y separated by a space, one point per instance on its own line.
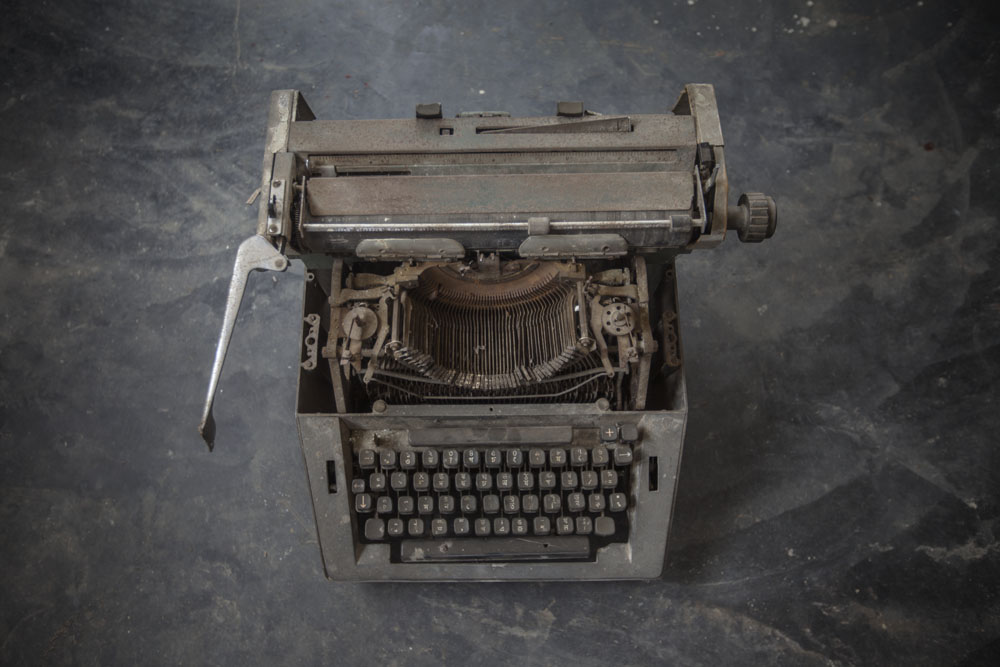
x=478 y=550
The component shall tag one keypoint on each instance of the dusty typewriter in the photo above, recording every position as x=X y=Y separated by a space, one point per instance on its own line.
x=491 y=383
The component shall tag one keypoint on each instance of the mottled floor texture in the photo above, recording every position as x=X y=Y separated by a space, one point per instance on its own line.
x=839 y=501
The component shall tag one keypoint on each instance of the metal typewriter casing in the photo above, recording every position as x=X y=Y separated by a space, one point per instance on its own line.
x=593 y=193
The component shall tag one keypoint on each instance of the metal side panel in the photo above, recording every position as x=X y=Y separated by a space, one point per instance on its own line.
x=323 y=439
x=286 y=107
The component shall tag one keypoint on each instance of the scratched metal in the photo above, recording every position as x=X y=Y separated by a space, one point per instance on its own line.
x=838 y=501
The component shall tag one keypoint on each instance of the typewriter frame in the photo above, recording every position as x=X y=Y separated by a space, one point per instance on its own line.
x=575 y=186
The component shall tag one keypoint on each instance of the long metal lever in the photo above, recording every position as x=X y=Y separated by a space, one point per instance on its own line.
x=255 y=254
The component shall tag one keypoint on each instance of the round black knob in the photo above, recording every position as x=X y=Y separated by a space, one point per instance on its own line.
x=754 y=217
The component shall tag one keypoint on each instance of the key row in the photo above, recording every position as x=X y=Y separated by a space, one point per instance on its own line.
x=377 y=529
x=550 y=503
x=484 y=481
x=473 y=459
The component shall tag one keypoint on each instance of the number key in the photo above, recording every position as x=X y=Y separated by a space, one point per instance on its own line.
x=536 y=457
x=515 y=458
x=494 y=459
x=430 y=459
x=599 y=456
x=471 y=458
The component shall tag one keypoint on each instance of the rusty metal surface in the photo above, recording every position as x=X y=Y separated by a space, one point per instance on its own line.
x=497 y=331
x=285 y=107
x=699 y=100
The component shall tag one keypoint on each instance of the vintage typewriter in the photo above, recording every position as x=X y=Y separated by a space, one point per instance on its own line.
x=491 y=383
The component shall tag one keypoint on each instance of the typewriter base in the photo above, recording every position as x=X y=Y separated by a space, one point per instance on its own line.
x=324 y=439
x=330 y=437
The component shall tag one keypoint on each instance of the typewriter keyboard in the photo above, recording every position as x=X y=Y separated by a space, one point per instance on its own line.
x=428 y=494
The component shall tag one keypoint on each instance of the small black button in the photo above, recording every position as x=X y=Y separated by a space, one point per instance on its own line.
x=494 y=459
x=387 y=459
x=408 y=460
x=429 y=110
x=617 y=502
x=623 y=456
x=471 y=458
x=366 y=458
x=374 y=529
x=572 y=109
x=604 y=526
x=599 y=456
x=430 y=459
x=363 y=503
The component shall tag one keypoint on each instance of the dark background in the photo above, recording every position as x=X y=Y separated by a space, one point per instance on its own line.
x=838 y=500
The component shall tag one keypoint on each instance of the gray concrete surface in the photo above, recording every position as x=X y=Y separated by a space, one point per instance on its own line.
x=838 y=501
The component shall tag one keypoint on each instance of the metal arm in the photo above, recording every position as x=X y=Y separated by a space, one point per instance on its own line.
x=255 y=254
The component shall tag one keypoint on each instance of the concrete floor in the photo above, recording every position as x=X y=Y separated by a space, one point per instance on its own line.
x=838 y=500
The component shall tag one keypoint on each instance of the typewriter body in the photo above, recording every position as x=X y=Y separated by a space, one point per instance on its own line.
x=491 y=383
